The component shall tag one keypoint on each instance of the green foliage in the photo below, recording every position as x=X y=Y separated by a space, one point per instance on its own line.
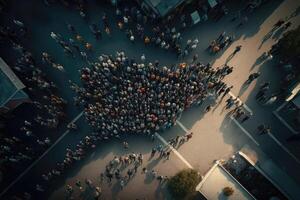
x=183 y=183
x=228 y=191
x=289 y=45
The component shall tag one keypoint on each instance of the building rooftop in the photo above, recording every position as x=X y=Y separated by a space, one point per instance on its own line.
x=218 y=178
x=164 y=6
x=10 y=84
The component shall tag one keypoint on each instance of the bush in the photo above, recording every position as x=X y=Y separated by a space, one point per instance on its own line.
x=184 y=183
x=228 y=191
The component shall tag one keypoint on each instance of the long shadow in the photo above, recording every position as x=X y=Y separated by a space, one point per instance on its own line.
x=230 y=135
x=278 y=33
x=243 y=88
x=196 y=113
x=270 y=72
x=258 y=61
x=258 y=17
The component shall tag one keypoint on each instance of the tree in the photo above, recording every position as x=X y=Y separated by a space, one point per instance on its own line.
x=183 y=183
x=288 y=47
x=228 y=191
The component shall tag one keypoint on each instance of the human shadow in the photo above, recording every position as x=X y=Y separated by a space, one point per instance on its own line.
x=278 y=33
x=153 y=163
x=230 y=57
x=148 y=178
x=258 y=17
x=230 y=135
x=197 y=112
x=161 y=191
x=265 y=38
x=243 y=88
x=258 y=61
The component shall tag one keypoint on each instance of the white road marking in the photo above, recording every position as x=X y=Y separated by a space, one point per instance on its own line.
x=244 y=105
x=284 y=122
x=174 y=150
x=244 y=130
x=281 y=106
x=284 y=148
x=183 y=127
x=43 y=155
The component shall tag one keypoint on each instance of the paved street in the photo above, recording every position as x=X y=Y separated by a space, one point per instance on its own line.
x=216 y=134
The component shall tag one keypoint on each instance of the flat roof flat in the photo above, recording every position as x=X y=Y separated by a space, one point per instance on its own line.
x=10 y=84
x=164 y=6
x=218 y=178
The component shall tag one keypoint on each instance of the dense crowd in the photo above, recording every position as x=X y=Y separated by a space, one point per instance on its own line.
x=121 y=95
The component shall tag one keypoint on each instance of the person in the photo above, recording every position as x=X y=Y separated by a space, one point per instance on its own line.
x=264 y=86
x=263 y=129
x=168 y=154
x=144 y=170
x=227 y=90
x=152 y=137
x=271 y=99
x=79 y=185
x=287 y=25
x=153 y=173
x=243 y=22
x=39 y=188
x=98 y=192
x=146 y=40
x=143 y=58
x=245 y=118
x=195 y=57
x=71 y=28
x=160 y=178
x=237 y=49
x=278 y=24
x=153 y=151
x=132 y=38
x=125 y=145
x=208 y=108
x=189 y=136
x=135 y=168
x=230 y=102
x=84 y=55
x=252 y=77
x=122 y=184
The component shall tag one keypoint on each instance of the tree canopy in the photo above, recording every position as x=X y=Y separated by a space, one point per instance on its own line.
x=289 y=45
x=184 y=183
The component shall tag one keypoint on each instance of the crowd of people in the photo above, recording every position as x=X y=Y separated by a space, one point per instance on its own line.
x=220 y=43
x=121 y=95
x=20 y=149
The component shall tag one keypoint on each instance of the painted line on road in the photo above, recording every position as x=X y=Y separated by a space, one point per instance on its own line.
x=174 y=150
x=244 y=105
x=244 y=130
x=183 y=127
x=43 y=155
x=281 y=106
x=284 y=122
x=284 y=148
